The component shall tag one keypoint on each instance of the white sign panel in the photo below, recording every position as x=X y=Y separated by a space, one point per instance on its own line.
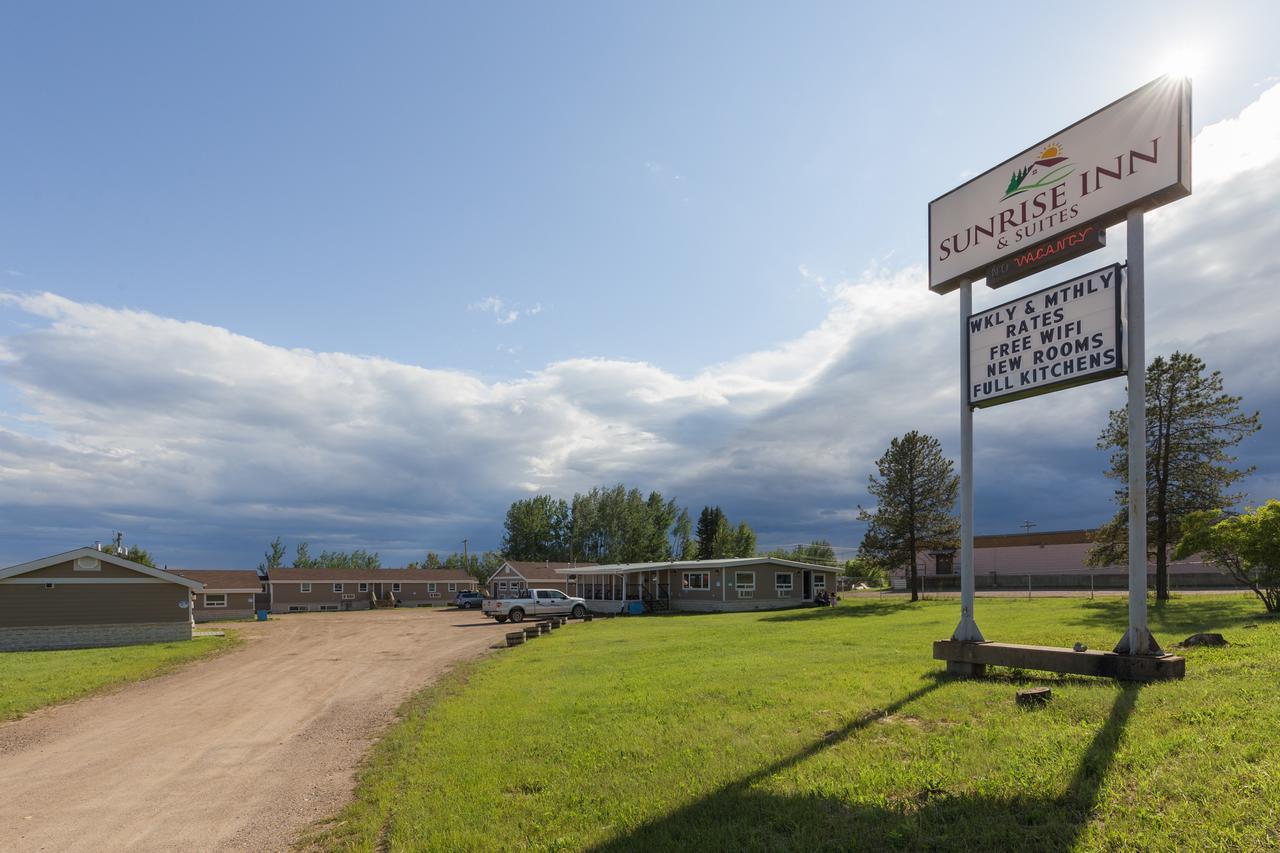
x=1065 y=335
x=1134 y=153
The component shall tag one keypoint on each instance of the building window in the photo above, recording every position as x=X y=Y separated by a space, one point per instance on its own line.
x=328 y=607
x=745 y=583
x=364 y=587
x=819 y=582
x=431 y=587
x=306 y=587
x=784 y=581
x=696 y=580
x=215 y=599
x=395 y=587
x=453 y=587
x=337 y=587
x=49 y=586
x=298 y=608
x=87 y=564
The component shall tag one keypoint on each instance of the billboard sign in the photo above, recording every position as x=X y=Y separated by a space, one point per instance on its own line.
x=1134 y=153
x=1065 y=335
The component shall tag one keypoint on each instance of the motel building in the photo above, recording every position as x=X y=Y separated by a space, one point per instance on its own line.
x=322 y=589
x=1048 y=560
x=708 y=586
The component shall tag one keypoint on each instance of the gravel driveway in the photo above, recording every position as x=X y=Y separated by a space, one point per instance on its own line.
x=241 y=752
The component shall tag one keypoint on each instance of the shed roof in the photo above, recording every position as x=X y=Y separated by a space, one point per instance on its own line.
x=223 y=580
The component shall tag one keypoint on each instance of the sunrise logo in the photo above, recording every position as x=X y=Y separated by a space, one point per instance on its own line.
x=1045 y=171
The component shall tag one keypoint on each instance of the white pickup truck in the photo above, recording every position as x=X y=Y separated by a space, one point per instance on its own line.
x=534 y=604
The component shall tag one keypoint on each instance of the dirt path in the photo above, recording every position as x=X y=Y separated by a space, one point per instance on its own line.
x=238 y=753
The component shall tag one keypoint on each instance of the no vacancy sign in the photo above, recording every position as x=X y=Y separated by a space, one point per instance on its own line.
x=1065 y=335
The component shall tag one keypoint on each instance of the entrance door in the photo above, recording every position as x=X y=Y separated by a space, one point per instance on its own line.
x=808 y=585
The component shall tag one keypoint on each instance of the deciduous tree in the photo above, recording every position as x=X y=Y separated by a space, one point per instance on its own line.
x=1247 y=547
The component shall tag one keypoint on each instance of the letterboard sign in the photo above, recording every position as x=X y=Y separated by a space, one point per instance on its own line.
x=1059 y=337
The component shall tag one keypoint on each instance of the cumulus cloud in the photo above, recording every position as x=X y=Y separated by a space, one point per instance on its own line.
x=204 y=443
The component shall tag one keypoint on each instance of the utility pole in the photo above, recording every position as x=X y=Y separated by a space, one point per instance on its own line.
x=466 y=563
x=1027 y=525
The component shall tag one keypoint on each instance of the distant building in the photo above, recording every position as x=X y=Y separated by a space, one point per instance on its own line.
x=1050 y=558
x=302 y=590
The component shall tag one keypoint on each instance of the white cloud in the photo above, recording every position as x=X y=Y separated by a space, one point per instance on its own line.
x=189 y=433
x=505 y=313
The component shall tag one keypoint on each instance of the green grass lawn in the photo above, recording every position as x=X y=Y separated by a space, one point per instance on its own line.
x=835 y=729
x=30 y=680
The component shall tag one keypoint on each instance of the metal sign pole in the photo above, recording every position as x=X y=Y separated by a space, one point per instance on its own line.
x=967 y=630
x=1137 y=640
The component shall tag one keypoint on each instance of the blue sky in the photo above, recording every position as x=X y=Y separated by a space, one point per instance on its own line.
x=579 y=243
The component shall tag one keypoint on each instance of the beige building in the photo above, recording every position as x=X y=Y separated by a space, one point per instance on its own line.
x=88 y=597
x=303 y=590
x=743 y=583
x=1053 y=558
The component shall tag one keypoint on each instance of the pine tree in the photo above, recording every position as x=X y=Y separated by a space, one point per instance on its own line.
x=1191 y=425
x=710 y=520
x=915 y=490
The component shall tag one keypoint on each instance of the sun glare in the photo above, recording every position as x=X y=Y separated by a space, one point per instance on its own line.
x=1183 y=61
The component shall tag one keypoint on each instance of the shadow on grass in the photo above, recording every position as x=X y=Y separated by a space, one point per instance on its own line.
x=1176 y=619
x=842 y=611
x=741 y=817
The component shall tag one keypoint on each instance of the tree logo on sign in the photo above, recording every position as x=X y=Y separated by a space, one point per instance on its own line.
x=1045 y=171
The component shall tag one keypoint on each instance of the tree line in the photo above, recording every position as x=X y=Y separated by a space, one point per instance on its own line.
x=616 y=524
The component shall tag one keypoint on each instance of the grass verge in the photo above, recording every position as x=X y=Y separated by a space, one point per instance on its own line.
x=834 y=729
x=34 y=680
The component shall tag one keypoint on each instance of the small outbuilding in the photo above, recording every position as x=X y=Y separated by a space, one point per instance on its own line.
x=227 y=593
x=515 y=576
x=89 y=597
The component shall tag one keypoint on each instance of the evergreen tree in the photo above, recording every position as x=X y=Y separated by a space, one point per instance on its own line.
x=1192 y=424
x=710 y=521
x=915 y=489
